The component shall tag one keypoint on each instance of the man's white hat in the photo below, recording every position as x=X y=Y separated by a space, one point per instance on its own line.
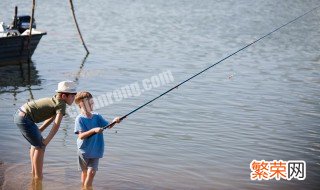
x=67 y=87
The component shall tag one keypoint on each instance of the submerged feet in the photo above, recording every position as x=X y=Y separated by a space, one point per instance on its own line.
x=36 y=184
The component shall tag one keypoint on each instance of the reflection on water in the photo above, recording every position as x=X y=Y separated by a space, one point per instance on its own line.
x=35 y=184
x=81 y=68
x=19 y=75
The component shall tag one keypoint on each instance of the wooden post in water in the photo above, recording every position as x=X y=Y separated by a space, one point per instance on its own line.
x=30 y=31
x=15 y=17
x=75 y=20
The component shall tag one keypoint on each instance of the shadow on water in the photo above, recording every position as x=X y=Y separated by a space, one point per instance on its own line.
x=18 y=78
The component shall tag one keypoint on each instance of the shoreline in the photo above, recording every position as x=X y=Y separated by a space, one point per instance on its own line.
x=2 y=169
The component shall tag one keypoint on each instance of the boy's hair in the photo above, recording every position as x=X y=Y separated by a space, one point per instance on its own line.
x=82 y=95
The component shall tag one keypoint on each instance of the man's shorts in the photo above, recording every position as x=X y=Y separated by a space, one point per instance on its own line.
x=86 y=163
x=29 y=130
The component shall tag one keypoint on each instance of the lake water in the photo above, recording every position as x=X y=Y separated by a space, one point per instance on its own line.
x=261 y=104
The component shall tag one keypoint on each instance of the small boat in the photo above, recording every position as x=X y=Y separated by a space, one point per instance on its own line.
x=14 y=40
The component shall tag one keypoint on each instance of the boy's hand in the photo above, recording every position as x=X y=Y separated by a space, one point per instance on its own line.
x=117 y=120
x=97 y=130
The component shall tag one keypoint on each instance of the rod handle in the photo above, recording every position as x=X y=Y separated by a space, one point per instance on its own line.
x=113 y=123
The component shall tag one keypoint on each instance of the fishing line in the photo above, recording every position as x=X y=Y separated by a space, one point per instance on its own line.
x=204 y=70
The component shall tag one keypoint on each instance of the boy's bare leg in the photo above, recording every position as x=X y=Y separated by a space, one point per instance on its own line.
x=38 y=163
x=83 y=177
x=31 y=158
x=90 y=175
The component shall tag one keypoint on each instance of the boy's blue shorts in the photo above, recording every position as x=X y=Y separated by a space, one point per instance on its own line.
x=85 y=163
x=29 y=130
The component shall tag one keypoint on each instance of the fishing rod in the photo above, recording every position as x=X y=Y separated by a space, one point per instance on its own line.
x=223 y=59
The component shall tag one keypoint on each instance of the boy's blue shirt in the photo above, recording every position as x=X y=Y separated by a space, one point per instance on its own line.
x=93 y=146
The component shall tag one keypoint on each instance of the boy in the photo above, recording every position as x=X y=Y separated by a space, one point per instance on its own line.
x=88 y=126
x=48 y=110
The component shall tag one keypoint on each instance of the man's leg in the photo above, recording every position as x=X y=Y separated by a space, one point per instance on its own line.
x=38 y=162
x=31 y=158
